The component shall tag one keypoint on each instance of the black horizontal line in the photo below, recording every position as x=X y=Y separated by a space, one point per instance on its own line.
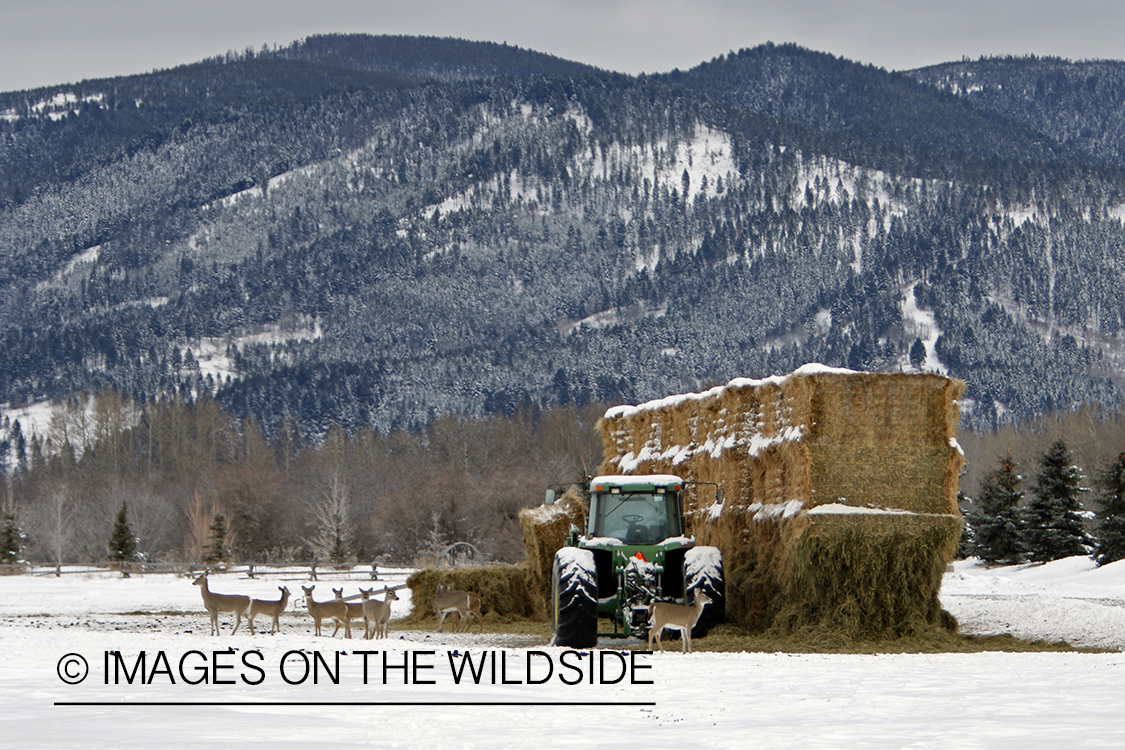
x=354 y=703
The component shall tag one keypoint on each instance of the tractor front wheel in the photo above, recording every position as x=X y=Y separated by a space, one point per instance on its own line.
x=574 y=598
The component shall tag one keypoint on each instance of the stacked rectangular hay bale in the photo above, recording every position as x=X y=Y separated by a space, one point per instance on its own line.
x=840 y=486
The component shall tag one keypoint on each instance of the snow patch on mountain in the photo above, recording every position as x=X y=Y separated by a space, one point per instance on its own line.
x=57 y=107
x=612 y=317
x=213 y=353
x=921 y=324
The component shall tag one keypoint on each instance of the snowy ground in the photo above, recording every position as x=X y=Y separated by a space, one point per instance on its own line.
x=1049 y=700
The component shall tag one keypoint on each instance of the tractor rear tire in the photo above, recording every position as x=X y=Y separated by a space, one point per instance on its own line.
x=703 y=571
x=574 y=599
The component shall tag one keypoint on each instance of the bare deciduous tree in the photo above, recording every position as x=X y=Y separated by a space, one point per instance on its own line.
x=54 y=525
x=200 y=516
x=334 y=533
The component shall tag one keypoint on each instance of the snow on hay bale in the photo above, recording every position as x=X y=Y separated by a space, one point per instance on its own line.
x=782 y=448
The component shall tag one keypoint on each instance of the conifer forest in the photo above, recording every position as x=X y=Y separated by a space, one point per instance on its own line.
x=362 y=297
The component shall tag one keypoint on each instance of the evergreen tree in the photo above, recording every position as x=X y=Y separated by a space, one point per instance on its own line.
x=123 y=544
x=967 y=543
x=339 y=551
x=1110 y=541
x=1053 y=519
x=216 y=550
x=20 y=442
x=997 y=531
x=11 y=541
x=917 y=354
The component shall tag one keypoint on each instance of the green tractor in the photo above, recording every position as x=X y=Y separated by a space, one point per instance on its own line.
x=634 y=551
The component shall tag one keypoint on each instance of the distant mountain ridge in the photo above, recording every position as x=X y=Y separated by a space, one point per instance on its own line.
x=428 y=58
x=377 y=231
x=873 y=113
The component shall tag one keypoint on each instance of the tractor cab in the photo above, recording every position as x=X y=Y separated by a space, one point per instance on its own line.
x=635 y=512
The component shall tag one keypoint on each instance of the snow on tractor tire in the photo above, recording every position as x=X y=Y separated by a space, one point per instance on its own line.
x=574 y=599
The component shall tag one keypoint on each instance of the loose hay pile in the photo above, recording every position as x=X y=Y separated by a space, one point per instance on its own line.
x=510 y=591
x=875 y=453
x=504 y=590
x=545 y=529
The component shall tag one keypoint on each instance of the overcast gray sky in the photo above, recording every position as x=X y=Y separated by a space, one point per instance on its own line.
x=45 y=42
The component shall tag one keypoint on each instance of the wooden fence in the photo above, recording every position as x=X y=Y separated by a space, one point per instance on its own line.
x=316 y=571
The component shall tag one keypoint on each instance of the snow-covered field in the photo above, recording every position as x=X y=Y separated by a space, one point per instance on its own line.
x=286 y=691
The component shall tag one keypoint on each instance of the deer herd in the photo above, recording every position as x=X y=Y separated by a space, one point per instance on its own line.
x=374 y=613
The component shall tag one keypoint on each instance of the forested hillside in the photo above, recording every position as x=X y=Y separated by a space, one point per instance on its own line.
x=374 y=232
x=871 y=117
x=1078 y=105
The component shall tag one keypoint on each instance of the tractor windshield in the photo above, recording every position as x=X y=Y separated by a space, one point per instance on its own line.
x=637 y=517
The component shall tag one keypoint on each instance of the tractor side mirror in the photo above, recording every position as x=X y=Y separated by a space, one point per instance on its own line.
x=550 y=497
x=720 y=495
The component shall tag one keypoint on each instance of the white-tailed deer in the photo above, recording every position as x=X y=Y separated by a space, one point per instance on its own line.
x=355 y=609
x=376 y=614
x=447 y=601
x=269 y=607
x=334 y=609
x=474 y=609
x=681 y=617
x=216 y=603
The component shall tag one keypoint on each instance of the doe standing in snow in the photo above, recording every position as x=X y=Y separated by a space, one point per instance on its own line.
x=377 y=614
x=681 y=617
x=270 y=607
x=216 y=603
x=354 y=609
x=333 y=609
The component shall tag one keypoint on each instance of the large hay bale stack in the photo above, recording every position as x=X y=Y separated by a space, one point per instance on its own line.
x=877 y=453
